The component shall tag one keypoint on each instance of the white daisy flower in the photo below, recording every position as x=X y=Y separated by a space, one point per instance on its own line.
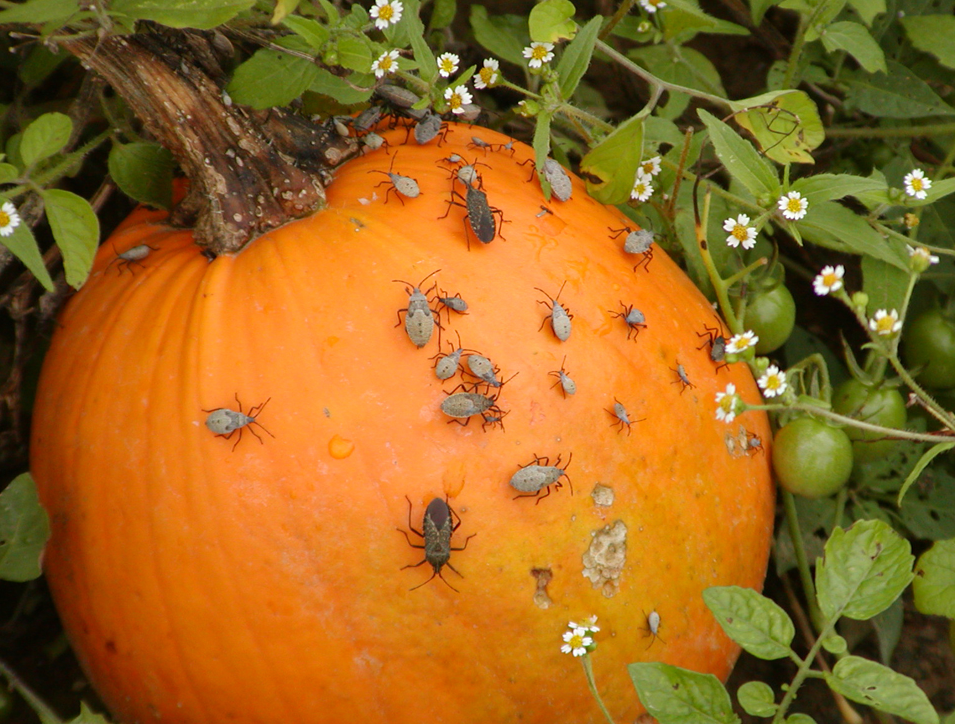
x=642 y=187
x=448 y=64
x=773 y=382
x=916 y=184
x=793 y=205
x=457 y=97
x=577 y=642
x=651 y=167
x=740 y=232
x=885 y=323
x=487 y=77
x=651 y=6
x=386 y=63
x=588 y=624
x=386 y=12
x=9 y=218
x=829 y=280
x=727 y=404
x=739 y=343
x=538 y=54
x=920 y=258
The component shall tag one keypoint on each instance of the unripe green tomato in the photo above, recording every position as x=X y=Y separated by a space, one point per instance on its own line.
x=811 y=458
x=929 y=342
x=771 y=315
x=883 y=406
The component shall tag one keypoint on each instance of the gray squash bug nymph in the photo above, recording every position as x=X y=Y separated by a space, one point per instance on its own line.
x=397 y=96
x=133 y=255
x=372 y=142
x=622 y=417
x=559 y=315
x=451 y=303
x=634 y=319
x=558 y=179
x=438 y=526
x=479 y=143
x=447 y=365
x=567 y=385
x=683 y=379
x=532 y=478
x=403 y=186
x=428 y=128
x=225 y=422
x=462 y=406
x=493 y=420
x=653 y=627
x=717 y=344
x=482 y=368
x=638 y=241
x=420 y=319
x=367 y=119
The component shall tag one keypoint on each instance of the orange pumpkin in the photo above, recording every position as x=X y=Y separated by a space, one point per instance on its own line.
x=203 y=579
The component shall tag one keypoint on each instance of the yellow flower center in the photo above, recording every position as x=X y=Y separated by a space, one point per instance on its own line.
x=386 y=12
x=794 y=205
x=447 y=65
x=539 y=52
x=916 y=184
x=385 y=63
x=455 y=100
x=4 y=219
x=576 y=641
x=773 y=382
x=830 y=280
x=740 y=232
x=884 y=325
x=726 y=404
x=487 y=75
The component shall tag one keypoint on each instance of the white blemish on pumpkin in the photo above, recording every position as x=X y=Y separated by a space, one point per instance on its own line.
x=605 y=558
x=543 y=576
x=602 y=495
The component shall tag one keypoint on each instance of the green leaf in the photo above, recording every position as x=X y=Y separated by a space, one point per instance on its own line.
x=863 y=570
x=884 y=283
x=309 y=30
x=751 y=620
x=423 y=55
x=855 y=40
x=24 y=530
x=932 y=34
x=938 y=190
x=333 y=86
x=24 y=247
x=878 y=686
x=541 y=147
x=682 y=66
x=888 y=629
x=282 y=10
x=552 y=20
x=934 y=584
x=271 y=78
x=576 y=57
x=868 y=9
x=76 y=231
x=143 y=171
x=831 y=186
x=442 y=14
x=47 y=135
x=739 y=157
x=786 y=128
x=198 y=14
x=502 y=35
x=835 y=644
x=354 y=53
x=40 y=11
x=757 y=698
x=835 y=227
x=39 y=65
x=685 y=19
x=896 y=94
x=923 y=462
x=677 y=696
x=758 y=8
x=614 y=162
x=823 y=13
x=8 y=173
x=800 y=719
x=930 y=513
x=87 y=716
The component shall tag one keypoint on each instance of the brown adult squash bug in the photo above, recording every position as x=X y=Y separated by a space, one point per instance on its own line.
x=438 y=526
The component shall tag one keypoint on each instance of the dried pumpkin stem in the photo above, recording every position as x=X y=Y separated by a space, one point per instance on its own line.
x=250 y=172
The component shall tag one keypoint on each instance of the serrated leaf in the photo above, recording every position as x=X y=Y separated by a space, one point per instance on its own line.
x=143 y=171
x=863 y=570
x=333 y=86
x=932 y=34
x=878 y=686
x=576 y=57
x=271 y=78
x=24 y=530
x=24 y=247
x=44 y=137
x=354 y=53
x=835 y=227
x=551 y=21
x=896 y=94
x=75 y=229
x=927 y=457
x=757 y=698
x=504 y=36
x=198 y=14
x=934 y=584
x=310 y=30
x=40 y=11
x=868 y=9
x=8 y=173
x=857 y=42
x=739 y=157
x=786 y=128
x=677 y=696
x=751 y=620
x=613 y=163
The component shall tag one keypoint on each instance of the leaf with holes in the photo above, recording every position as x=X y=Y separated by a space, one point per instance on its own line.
x=878 y=686
x=751 y=620
x=677 y=696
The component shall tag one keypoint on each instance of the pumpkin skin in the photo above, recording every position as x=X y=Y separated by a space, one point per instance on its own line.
x=201 y=580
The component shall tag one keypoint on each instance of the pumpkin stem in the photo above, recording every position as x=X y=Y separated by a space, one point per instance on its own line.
x=249 y=171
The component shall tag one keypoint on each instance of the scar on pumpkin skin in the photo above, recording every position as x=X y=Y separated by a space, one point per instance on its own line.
x=605 y=558
x=603 y=496
x=543 y=575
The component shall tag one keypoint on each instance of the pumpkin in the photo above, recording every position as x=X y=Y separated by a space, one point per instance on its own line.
x=207 y=578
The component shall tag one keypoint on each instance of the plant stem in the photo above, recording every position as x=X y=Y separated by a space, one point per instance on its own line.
x=589 y=674
x=935 y=129
x=45 y=713
x=622 y=11
x=796 y=51
x=802 y=561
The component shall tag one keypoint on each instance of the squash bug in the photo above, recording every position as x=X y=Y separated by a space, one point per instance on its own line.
x=479 y=143
x=446 y=367
x=403 y=186
x=653 y=627
x=567 y=385
x=428 y=128
x=465 y=173
x=683 y=379
x=634 y=319
x=438 y=526
x=225 y=422
x=455 y=303
x=638 y=241
x=367 y=119
x=372 y=142
x=717 y=343
x=493 y=420
x=420 y=319
x=622 y=416
x=558 y=179
x=530 y=479
x=485 y=370
x=480 y=215
x=133 y=255
x=754 y=443
x=464 y=405
x=559 y=316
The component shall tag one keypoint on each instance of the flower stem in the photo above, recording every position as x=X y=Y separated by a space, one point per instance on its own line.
x=589 y=673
